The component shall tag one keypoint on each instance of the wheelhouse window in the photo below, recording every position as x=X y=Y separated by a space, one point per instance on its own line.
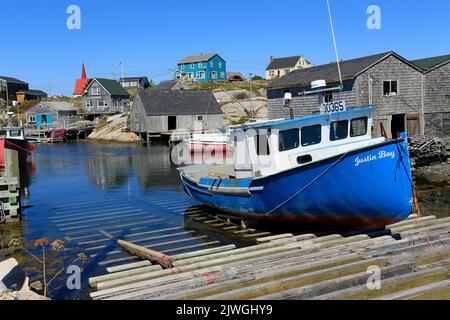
x=311 y=135
x=358 y=127
x=262 y=144
x=390 y=88
x=289 y=139
x=328 y=97
x=339 y=130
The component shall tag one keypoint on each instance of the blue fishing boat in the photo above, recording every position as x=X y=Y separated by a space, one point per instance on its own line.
x=325 y=169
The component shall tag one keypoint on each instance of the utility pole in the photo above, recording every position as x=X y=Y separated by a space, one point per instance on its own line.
x=121 y=68
x=114 y=72
x=50 y=86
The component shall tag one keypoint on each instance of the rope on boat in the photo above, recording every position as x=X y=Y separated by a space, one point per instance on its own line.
x=308 y=185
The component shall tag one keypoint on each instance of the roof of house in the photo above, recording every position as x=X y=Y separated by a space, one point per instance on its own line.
x=166 y=85
x=234 y=75
x=430 y=63
x=80 y=84
x=280 y=63
x=179 y=102
x=33 y=92
x=329 y=72
x=56 y=105
x=199 y=58
x=12 y=80
x=132 y=78
x=112 y=86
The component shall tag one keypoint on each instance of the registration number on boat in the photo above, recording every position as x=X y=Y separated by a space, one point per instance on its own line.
x=330 y=107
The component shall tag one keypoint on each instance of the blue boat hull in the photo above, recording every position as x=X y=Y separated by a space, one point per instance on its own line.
x=366 y=188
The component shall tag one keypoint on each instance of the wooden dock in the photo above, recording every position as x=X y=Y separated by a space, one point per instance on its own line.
x=412 y=263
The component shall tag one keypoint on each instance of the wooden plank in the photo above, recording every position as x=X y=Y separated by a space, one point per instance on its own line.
x=122 y=274
x=275 y=237
x=129 y=266
x=203 y=252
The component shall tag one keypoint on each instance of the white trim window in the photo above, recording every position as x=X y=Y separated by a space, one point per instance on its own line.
x=32 y=119
x=220 y=65
x=222 y=74
x=181 y=66
x=88 y=104
x=390 y=88
x=211 y=64
x=192 y=65
x=200 y=75
x=214 y=74
x=102 y=104
x=95 y=90
x=272 y=73
x=200 y=64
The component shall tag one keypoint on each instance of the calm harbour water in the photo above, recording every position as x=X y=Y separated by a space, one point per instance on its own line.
x=130 y=191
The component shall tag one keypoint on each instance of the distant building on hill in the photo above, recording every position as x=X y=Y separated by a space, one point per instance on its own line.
x=280 y=67
x=27 y=95
x=134 y=82
x=9 y=87
x=202 y=68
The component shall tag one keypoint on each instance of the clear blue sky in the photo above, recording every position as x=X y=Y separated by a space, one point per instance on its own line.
x=151 y=36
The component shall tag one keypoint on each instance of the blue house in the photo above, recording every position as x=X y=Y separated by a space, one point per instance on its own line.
x=202 y=68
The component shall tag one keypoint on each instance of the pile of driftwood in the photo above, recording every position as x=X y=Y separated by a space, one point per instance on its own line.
x=425 y=150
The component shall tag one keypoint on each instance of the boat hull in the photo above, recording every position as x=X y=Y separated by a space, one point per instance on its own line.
x=365 y=188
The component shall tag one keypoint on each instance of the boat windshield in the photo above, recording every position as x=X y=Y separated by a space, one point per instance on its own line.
x=15 y=133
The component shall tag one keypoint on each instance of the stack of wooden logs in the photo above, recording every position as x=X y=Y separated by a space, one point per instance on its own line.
x=299 y=267
x=425 y=150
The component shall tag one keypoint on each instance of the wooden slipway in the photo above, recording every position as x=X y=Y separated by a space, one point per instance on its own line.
x=413 y=264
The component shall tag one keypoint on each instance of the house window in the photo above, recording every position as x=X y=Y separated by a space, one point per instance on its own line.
x=358 y=127
x=222 y=74
x=192 y=65
x=271 y=73
x=182 y=67
x=88 y=104
x=311 y=135
x=220 y=65
x=289 y=139
x=339 y=130
x=32 y=119
x=328 y=97
x=211 y=64
x=214 y=74
x=200 y=118
x=95 y=91
x=200 y=65
x=390 y=88
x=200 y=74
x=102 y=103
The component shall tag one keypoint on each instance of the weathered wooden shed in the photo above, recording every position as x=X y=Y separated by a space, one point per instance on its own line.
x=436 y=84
x=388 y=81
x=54 y=113
x=159 y=111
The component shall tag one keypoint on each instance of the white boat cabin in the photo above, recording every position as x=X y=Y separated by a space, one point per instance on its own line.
x=272 y=147
x=16 y=133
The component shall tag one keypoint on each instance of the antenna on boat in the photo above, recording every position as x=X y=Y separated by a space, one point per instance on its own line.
x=335 y=46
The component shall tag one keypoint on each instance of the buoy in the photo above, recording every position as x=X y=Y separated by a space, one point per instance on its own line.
x=32 y=147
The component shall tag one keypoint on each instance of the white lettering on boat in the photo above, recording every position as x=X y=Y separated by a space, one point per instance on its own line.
x=381 y=155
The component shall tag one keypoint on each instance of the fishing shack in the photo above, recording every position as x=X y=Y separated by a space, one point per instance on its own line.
x=386 y=80
x=51 y=114
x=156 y=112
